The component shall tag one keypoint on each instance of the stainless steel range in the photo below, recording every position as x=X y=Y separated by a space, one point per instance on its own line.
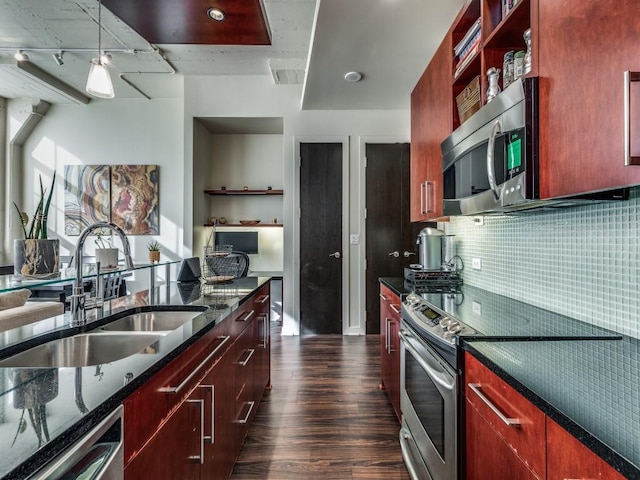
x=429 y=384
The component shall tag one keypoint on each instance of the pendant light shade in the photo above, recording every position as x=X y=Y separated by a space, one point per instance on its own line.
x=99 y=82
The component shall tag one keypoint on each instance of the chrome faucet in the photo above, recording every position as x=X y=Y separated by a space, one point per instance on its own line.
x=78 y=297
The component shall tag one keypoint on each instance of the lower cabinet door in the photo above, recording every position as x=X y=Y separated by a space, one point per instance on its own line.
x=487 y=455
x=568 y=458
x=220 y=446
x=176 y=449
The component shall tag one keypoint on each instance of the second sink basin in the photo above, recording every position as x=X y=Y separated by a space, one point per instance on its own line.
x=82 y=350
x=154 y=321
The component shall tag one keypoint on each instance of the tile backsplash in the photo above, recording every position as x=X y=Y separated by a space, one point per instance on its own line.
x=582 y=262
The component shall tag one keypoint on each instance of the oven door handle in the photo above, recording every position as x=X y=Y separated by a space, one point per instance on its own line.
x=434 y=374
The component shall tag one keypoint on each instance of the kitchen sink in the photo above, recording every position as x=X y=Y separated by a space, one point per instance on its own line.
x=83 y=350
x=153 y=321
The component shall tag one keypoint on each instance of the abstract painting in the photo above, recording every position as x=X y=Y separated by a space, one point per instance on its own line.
x=86 y=196
x=134 y=198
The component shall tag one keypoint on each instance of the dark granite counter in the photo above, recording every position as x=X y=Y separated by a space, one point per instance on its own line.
x=44 y=410
x=589 y=387
x=396 y=284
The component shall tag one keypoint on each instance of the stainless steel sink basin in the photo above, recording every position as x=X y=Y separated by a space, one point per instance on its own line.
x=155 y=321
x=83 y=350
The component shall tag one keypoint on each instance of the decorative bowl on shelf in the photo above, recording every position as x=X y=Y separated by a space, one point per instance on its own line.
x=249 y=222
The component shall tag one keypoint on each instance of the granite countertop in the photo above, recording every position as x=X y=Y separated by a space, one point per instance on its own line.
x=396 y=284
x=43 y=410
x=589 y=387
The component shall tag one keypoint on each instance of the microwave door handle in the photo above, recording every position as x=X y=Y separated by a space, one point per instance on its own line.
x=491 y=175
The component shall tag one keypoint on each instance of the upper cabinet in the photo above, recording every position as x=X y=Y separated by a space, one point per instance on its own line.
x=430 y=123
x=589 y=126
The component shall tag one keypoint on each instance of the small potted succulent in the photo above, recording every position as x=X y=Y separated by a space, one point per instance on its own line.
x=36 y=255
x=154 y=251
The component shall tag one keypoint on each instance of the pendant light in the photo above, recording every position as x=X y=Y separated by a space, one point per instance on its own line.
x=99 y=82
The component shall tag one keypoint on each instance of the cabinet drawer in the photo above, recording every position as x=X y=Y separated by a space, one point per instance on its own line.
x=520 y=423
x=146 y=409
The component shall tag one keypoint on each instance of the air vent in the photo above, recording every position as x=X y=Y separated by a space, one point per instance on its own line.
x=287 y=71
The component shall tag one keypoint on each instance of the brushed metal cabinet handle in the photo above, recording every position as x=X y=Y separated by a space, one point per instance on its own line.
x=246 y=317
x=423 y=186
x=200 y=458
x=211 y=438
x=383 y=297
x=176 y=389
x=262 y=299
x=246 y=418
x=244 y=364
x=511 y=422
x=395 y=308
x=629 y=158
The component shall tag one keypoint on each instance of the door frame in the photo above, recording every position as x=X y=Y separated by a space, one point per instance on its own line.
x=344 y=140
x=362 y=272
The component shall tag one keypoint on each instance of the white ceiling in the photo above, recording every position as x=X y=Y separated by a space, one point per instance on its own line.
x=388 y=41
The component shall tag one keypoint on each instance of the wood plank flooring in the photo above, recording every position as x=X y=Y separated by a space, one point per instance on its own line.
x=325 y=416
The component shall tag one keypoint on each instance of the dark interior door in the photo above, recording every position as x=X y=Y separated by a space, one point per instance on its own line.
x=390 y=235
x=320 y=238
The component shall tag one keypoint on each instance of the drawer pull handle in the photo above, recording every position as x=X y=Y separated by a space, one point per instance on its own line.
x=262 y=299
x=383 y=297
x=211 y=438
x=246 y=317
x=199 y=458
x=246 y=418
x=511 y=422
x=224 y=339
x=244 y=364
x=395 y=308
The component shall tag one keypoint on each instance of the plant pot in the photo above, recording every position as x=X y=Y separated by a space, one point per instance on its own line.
x=154 y=256
x=36 y=258
x=108 y=257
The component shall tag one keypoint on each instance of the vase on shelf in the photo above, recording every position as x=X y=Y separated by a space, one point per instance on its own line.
x=36 y=258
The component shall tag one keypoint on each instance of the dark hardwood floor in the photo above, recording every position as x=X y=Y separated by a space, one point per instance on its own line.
x=325 y=416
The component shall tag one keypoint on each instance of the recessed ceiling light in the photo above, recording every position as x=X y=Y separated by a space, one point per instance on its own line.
x=353 y=77
x=216 y=14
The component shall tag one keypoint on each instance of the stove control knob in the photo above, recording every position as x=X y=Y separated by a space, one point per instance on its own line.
x=445 y=322
x=454 y=327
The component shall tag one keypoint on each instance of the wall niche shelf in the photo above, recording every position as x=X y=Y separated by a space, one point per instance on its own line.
x=243 y=192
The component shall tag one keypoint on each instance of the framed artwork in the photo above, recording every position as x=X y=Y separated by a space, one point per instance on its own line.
x=134 y=198
x=126 y=195
x=86 y=196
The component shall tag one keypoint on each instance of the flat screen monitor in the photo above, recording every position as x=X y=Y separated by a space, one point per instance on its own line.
x=190 y=270
x=241 y=241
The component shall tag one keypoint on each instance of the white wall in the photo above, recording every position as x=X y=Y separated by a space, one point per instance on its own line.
x=257 y=96
x=107 y=133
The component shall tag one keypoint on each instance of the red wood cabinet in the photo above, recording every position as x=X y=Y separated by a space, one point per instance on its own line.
x=390 y=345
x=507 y=414
x=568 y=458
x=430 y=124
x=191 y=418
x=584 y=48
x=488 y=455
x=174 y=450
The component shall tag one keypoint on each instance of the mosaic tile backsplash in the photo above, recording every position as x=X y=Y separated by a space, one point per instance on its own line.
x=582 y=262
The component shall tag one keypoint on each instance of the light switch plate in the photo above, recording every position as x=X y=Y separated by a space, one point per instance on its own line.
x=476 y=264
x=354 y=239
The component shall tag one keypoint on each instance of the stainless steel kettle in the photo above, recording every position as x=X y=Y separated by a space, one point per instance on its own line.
x=430 y=244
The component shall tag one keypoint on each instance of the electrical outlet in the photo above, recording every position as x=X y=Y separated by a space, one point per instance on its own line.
x=476 y=307
x=476 y=264
x=354 y=239
x=478 y=221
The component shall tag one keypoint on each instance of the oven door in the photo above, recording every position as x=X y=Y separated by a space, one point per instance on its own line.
x=428 y=393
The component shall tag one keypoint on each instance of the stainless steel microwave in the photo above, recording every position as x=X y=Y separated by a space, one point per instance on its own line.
x=490 y=164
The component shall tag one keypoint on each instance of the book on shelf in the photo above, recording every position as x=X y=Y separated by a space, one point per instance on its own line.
x=468 y=38
x=464 y=61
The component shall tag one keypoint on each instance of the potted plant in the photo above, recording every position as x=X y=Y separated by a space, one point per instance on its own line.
x=154 y=251
x=106 y=253
x=36 y=256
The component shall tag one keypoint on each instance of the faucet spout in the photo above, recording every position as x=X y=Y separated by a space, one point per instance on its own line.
x=77 y=299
